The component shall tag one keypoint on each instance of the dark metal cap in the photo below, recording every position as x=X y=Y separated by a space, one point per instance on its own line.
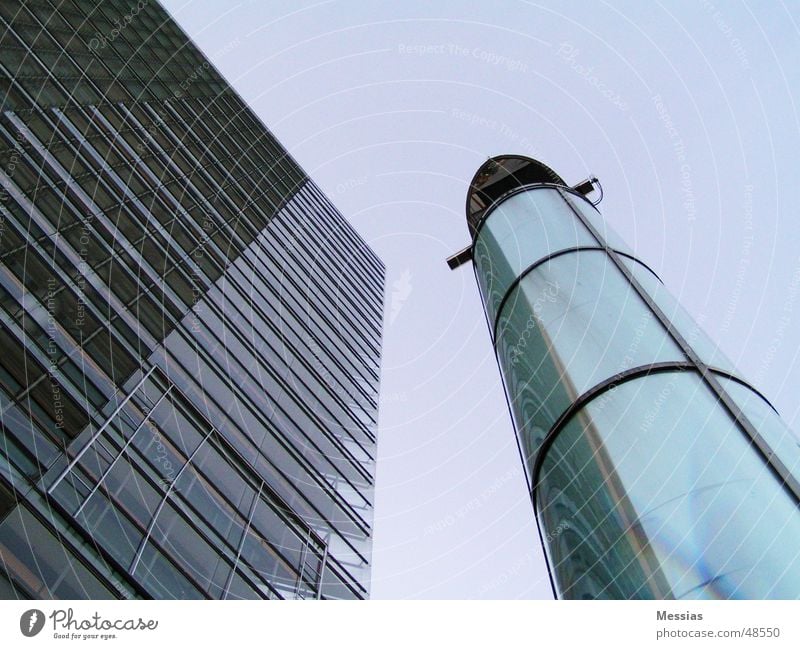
x=499 y=175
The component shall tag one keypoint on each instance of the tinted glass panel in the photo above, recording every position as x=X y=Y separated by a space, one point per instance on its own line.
x=572 y=323
x=680 y=319
x=781 y=439
x=519 y=231
x=652 y=490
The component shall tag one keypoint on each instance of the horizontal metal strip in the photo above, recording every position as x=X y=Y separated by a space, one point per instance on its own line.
x=544 y=260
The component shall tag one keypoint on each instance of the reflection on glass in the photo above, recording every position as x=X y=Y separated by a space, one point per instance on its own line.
x=570 y=324
x=781 y=439
x=606 y=232
x=652 y=491
x=703 y=346
x=520 y=231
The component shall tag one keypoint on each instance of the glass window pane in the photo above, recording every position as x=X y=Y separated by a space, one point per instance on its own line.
x=111 y=528
x=572 y=323
x=703 y=346
x=593 y=216
x=652 y=491
x=162 y=578
x=521 y=230
x=42 y=564
x=270 y=566
x=191 y=552
x=782 y=440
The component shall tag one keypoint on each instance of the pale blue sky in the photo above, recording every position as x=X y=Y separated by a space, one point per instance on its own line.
x=686 y=111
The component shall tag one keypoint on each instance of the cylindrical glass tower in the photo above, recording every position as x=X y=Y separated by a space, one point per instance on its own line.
x=654 y=469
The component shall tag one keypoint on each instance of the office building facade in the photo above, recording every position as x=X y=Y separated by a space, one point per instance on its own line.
x=655 y=470
x=191 y=332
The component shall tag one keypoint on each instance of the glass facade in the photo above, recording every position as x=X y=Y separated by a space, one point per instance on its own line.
x=655 y=471
x=190 y=330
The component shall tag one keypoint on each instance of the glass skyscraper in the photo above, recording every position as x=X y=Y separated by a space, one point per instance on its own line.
x=654 y=469
x=190 y=330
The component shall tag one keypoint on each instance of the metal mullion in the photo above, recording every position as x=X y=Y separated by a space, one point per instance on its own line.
x=322 y=566
x=49 y=76
x=66 y=284
x=344 y=340
x=340 y=342
x=313 y=336
x=177 y=259
x=222 y=193
x=66 y=53
x=95 y=209
x=301 y=569
x=35 y=310
x=744 y=424
x=354 y=345
x=88 y=562
x=139 y=525
x=250 y=514
x=297 y=353
x=190 y=189
x=548 y=257
x=281 y=439
x=211 y=156
x=121 y=451
x=220 y=141
x=235 y=330
x=120 y=192
x=185 y=507
x=135 y=50
x=369 y=258
x=347 y=236
x=346 y=454
x=268 y=219
x=279 y=554
x=274 y=550
x=144 y=462
x=336 y=253
x=301 y=357
x=99 y=431
x=159 y=185
x=344 y=575
x=248 y=474
x=353 y=310
x=256 y=307
x=151 y=526
x=87 y=272
x=41 y=358
x=342 y=233
x=211 y=181
x=204 y=137
x=226 y=128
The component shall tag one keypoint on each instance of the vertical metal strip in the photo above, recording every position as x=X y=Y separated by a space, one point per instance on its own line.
x=152 y=524
x=122 y=451
x=780 y=470
x=99 y=432
x=239 y=549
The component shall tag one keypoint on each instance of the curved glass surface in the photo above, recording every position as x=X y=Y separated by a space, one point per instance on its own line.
x=570 y=324
x=652 y=491
x=590 y=213
x=703 y=346
x=781 y=439
x=520 y=231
